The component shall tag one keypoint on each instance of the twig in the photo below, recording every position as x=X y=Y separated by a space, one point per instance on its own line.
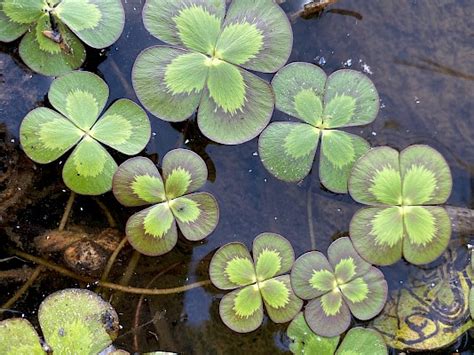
x=125 y=279
x=67 y=211
x=23 y=288
x=90 y=280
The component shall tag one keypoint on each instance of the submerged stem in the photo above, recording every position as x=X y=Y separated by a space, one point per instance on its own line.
x=112 y=258
x=125 y=289
x=23 y=288
x=309 y=212
x=67 y=211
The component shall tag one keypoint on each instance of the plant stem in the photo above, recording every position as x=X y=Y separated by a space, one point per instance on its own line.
x=67 y=211
x=23 y=288
x=108 y=215
x=112 y=258
x=132 y=265
x=309 y=212
x=125 y=289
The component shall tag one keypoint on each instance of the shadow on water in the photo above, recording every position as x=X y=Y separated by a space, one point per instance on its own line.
x=419 y=55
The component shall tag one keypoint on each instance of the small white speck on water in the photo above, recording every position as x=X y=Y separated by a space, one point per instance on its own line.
x=82 y=209
x=60 y=162
x=255 y=154
x=382 y=105
x=275 y=218
x=320 y=60
x=347 y=63
x=264 y=180
x=374 y=133
x=63 y=190
x=186 y=141
x=250 y=170
x=12 y=140
x=339 y=210
x=153 y=134
x=401 y=282
x=417 y=100
x=17 y=227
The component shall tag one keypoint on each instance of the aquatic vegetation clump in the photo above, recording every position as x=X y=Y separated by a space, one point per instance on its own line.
x=207 y=64
x=357 y=341
x=53 y=30
x=402 y=190
x=172 y=195
x=324 y=105
x=73 y=321
x=80 y=98
x=338 y=286
x=258 y=281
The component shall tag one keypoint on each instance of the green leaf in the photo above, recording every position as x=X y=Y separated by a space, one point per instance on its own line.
x=226 y=87
x=339 y=111
x=331 y=303
x=232 y=267
x=426 y=176
x=328 y=325
x=240 y=271
x=242 y=310
x=99 y=23
x=273 y=255
x=281 y=303
x=304 y=341
x=239 y=42
x=248 y=121
x=345 y=270
x=9 y=30
x=323 y=280
x=287 y=149
x=355 y=291
x=137 y=182
x=46 y=135
x=309 y=107
x=345 y=260
x=375 y=178
x=271 y=22
x=148 y=77
x=124 y=127
x=303 y=271
x=187 y=74
x=361 y=341
x=45 y=43
x=197 y=27
x=158 y=220
x=378 y=245
x=17 y=336
x=151 y=244
x=23 y=11
x=342 y=85
x=89 y=169
x=339 y=152
x=197 y=215
x=193 y=166
x=72 y=321
x=366 y=295
x=71 y=57
x=420 y=225
x=471 y=302
x=417 y=247
x=275 y=293
x=298 y=89
x=80 y=96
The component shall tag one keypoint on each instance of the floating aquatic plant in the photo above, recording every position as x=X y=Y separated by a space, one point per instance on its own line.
x=153 y=231
x=80 y=98
x=402 y=190
x=207 y=64
x=73 y=321
x=324 y=105
x=337 y=286
x=357 y=341
x=260 y=281
x=54 y=30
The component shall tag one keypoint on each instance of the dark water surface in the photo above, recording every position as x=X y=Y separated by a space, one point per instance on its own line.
x=419 y=53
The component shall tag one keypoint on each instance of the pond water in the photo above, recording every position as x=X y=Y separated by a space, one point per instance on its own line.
x=419 y=54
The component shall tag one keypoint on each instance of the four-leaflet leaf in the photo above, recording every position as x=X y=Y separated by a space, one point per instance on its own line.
x=54 y=30
x=337 y=286
x=258 y=281
x=207 y=64
x=324 y=104
x=172 y=195
x=80 y=97
x=402 y=190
